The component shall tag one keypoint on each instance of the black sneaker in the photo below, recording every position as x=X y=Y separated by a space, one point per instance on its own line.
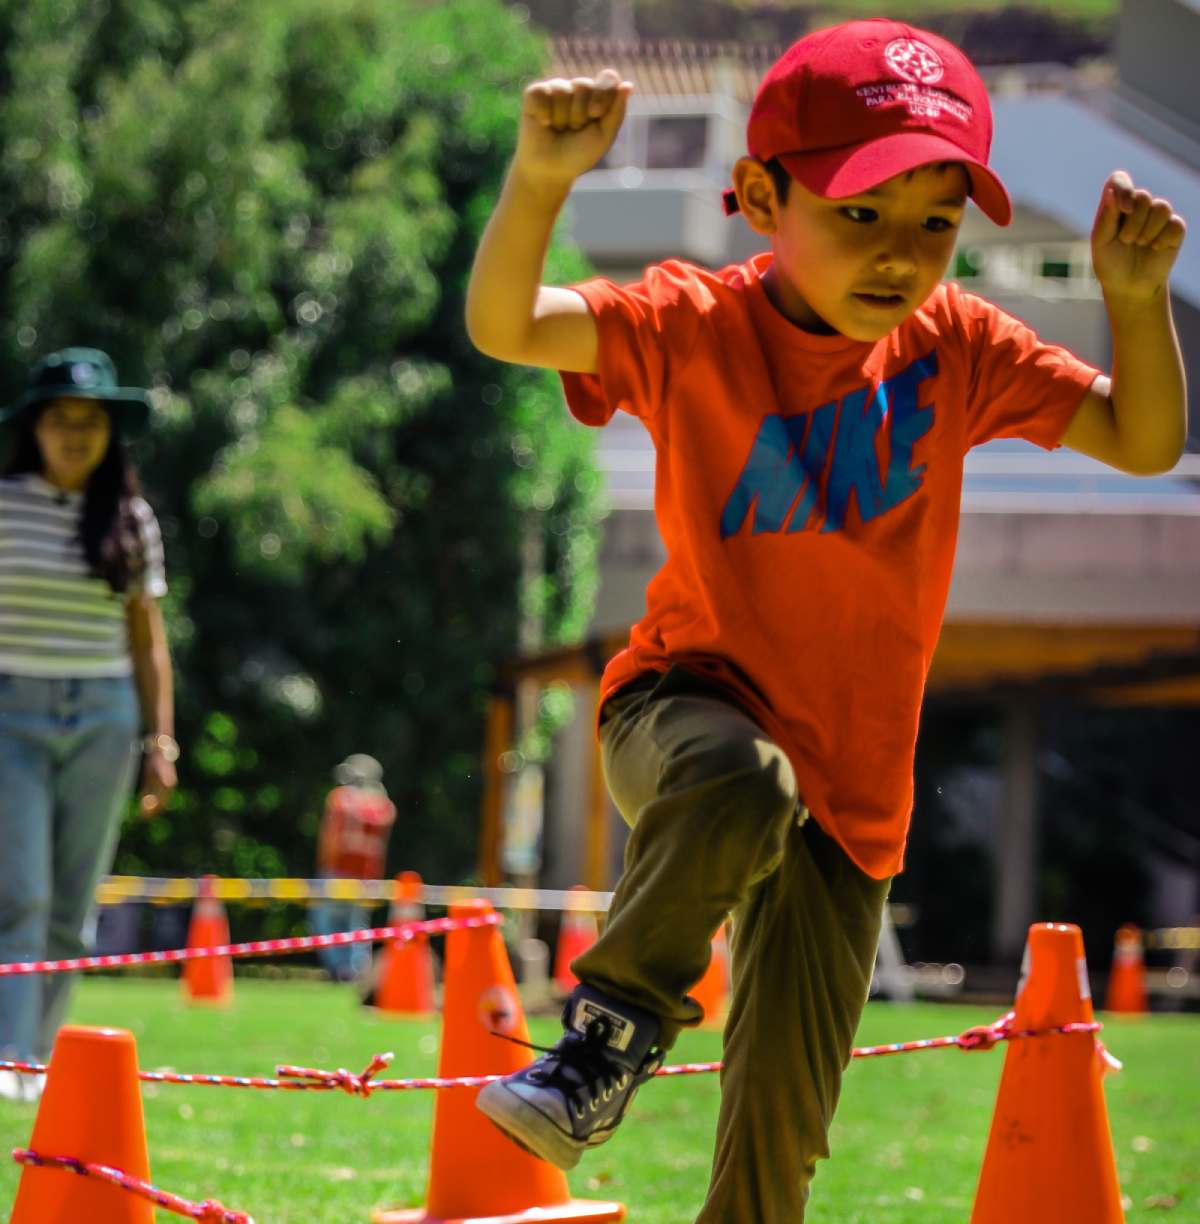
x=574 y=1095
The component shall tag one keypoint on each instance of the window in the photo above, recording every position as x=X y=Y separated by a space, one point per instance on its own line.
x=1051 y=270
x=1059 y=269
x=660 y=142
x=676 y=142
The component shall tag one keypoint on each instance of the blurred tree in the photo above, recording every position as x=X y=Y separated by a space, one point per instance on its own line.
x=268 y=211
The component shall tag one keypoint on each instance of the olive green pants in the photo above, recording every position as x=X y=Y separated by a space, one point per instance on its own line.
x=718 y=830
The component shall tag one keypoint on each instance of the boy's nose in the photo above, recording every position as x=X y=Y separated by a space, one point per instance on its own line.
x=897 y=259
x=897 y=254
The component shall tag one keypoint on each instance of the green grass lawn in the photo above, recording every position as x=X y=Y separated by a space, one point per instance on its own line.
x=907 y=1143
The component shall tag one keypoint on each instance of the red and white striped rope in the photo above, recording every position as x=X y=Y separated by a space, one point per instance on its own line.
x=209 y=1211
x=982 y=1037
x=259 y=947
x=299 y=1079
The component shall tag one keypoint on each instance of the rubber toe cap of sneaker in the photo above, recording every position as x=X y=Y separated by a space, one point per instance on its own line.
x=549 y=1104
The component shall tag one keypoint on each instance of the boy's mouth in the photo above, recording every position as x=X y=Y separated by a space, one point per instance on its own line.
x=881 y=301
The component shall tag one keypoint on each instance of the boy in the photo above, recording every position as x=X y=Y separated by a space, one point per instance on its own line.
x=810 y=411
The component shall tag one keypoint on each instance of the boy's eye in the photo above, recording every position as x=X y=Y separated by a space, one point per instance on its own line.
x=938 y=225
x=862 y=215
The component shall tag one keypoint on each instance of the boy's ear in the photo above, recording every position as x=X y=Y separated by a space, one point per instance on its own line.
x=755 y=190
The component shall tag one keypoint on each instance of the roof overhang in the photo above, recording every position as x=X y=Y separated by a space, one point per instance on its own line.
x=1116 y=664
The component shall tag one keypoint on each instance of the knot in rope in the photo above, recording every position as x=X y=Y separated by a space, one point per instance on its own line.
x=985 y=1036
x=1108 y=1063
x=212 y=1212
x=347 y=1081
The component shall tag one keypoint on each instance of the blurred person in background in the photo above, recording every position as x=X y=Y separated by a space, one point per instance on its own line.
x=84 y=667
x=351 y=845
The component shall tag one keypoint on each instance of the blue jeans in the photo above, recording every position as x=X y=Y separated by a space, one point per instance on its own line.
x=68 y=749
x=347 y=961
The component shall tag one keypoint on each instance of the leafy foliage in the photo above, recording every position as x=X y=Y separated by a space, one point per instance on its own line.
x=268 y=211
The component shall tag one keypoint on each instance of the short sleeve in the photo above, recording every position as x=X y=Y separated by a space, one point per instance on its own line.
x=1021 y=387
x=148 y=574
x=644 y=330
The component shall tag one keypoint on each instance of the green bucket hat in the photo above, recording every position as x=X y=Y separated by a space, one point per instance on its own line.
x=81 y=373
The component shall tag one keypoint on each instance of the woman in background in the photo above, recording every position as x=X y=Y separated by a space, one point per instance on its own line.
x=82 y=649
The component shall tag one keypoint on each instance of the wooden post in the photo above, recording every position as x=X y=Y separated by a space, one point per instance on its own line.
x=497 y=740
x=597 y=844
x=1016 y=854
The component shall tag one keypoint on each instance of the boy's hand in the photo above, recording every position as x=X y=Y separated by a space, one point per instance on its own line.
x=568 y=126
x=1135 y=240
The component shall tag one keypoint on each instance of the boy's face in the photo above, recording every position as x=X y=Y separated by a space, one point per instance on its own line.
x=861 y=265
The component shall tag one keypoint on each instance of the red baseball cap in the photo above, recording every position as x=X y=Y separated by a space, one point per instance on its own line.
x=846 y=108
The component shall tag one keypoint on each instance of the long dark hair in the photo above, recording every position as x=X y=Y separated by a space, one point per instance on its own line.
x=106 y=524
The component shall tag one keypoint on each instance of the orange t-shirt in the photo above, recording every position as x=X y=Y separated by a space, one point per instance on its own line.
x=354 y=833
x=807 y=490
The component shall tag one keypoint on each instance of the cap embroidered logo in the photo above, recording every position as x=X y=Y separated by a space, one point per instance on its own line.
x=919 y=101
x=914 y=61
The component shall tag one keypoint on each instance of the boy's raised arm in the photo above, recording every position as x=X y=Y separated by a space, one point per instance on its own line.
x=1137 y=421
x=566 y=128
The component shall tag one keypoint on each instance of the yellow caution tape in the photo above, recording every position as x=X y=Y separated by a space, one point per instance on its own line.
x=177 y=890
x=289 y=890
x=344 y=890
x=1175 y=939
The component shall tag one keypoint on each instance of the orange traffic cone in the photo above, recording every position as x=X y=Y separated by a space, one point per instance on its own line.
x=91 y=1109
x=406 y=966
x=208 y=981
x=1127 y=981
x=475 y=1173
x=1049 y=1157
x=576 y=934
x=712 y=990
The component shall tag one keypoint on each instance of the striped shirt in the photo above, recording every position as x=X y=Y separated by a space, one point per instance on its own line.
x=56 y=617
